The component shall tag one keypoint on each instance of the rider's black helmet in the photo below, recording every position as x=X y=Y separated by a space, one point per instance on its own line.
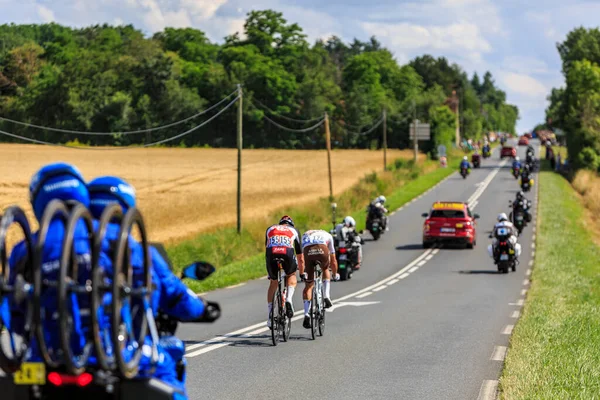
x=520 y=195
x=286 y=220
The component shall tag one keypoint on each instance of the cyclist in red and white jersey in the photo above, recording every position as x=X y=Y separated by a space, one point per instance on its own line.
x=283 y=241
x=317 y=246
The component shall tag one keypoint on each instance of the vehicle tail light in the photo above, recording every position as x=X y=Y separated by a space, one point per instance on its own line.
x=62 y=379
x=343 y=250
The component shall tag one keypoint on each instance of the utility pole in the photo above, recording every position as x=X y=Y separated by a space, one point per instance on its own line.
x=328 y=144
x=384 y=139
x=456 y=102
x=415 y=142
x=239 y=171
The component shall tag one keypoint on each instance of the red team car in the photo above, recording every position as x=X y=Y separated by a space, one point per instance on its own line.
x=450 y=222
x=508 y=151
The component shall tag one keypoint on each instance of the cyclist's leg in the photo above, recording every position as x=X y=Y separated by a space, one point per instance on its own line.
x=326 y=278
x=290 y=267
x=272 y=272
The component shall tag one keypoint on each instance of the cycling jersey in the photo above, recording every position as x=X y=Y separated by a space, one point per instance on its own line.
x=320 y=237
x=283 y=237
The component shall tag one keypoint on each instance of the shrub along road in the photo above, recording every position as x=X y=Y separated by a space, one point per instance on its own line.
x=413 y=323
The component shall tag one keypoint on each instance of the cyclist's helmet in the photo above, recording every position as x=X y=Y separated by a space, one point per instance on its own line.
x=349 y=221
x=502 y=217
x=286 y=220
x=60 y=181
x=110 y=189
x=381 y=199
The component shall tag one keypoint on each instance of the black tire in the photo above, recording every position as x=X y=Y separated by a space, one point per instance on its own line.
x=15 y=215
x=286 y=326
x=513 y=266
x=102 y=335
x=345 y=273
x=427 y=245
x=376 y=235
x=55 y=209
x=322 y=316
x=313 y=314
x=275 y=313
x=123 y=291
x=470 y=246
x=68 y=283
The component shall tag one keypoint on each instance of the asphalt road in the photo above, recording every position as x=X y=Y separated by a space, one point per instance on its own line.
x=411 y=324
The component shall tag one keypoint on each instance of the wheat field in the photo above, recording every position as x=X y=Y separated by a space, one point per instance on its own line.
x=185 y=191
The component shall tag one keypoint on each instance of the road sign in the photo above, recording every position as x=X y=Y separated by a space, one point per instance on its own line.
x=423 y=131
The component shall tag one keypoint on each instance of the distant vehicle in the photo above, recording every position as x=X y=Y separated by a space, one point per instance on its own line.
x=508 y=151
x=528 y=135
x=450 y=222
x=523 y=141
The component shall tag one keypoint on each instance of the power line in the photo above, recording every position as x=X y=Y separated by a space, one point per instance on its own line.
x=366 y=132
x=306 y=121
x=169 y=139
x=285 y=128
x=119 y=133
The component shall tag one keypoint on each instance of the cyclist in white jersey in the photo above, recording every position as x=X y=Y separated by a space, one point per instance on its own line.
x=317 y=247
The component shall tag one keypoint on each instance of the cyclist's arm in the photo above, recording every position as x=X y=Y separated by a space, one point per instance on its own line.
x=332 y=258
x=298 y=250
x=176 y=299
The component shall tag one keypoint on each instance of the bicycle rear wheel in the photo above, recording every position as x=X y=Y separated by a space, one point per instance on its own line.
x=313 y=314
x=71 y=291
x=11 y=359
x=275 y=313
x=286 y=323
x=322 y=312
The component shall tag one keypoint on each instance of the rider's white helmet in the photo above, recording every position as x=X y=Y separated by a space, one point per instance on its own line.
x=349 y=221
x=381 y=199
x=502 y=217
x=517 y=158
x=465 y=158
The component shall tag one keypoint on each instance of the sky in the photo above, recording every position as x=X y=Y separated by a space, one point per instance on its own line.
x=513 y=39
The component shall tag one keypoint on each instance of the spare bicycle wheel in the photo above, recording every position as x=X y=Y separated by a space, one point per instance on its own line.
x=56 y=209
x=129 y=328
x=74 y=293
x=101 y=292
x=13 y=293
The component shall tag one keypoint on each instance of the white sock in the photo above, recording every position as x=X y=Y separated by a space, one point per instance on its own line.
x=270 y=307
x=290 y=293
x=326 y=286
x=306 y=307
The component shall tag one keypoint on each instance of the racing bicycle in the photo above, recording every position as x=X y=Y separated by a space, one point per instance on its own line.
x=317 y=305
x=280 y=323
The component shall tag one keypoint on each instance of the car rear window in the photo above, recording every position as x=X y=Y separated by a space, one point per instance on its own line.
x=447 y=214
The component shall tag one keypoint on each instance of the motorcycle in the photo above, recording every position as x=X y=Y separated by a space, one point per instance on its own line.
x=486 y=152
x=505 y=256
x=476 y=160
x=375 y=223
x=464 y=172
x=347 y=256
x=516 y=171
x=518 y=219
x=526 y=184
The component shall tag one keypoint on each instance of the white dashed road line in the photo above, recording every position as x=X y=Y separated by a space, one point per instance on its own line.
x=413 y=269
x=488 y=390
x=515 y=314
x=403 y=276
x=508 y=329
x=391 y=282
x=499 y=353
x=523 y=292
x=360 y=296
x=377 y=289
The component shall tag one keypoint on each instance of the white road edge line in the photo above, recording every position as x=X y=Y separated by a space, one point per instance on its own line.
x=404 y=276
x=488 y=390
x=508 y=329
x=499 y=353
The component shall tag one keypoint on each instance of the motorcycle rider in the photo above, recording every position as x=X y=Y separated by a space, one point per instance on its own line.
x=517 y=163
x=282 y=240
x=317 y=246
x=377 y=210
x=525 y=174
x=522 y=203
x=346 y=233
x=505 y=225
x=174 y=298
x=465 y=164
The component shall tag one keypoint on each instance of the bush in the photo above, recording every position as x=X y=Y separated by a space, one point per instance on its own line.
x=589 y=159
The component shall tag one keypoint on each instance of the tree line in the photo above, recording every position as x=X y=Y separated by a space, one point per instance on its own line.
x=113 y=79
x=575 y=108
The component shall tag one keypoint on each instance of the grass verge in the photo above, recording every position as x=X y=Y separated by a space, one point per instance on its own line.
x=555 y=348
x=239 y=258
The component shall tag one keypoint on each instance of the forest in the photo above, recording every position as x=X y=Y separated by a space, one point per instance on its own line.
x=115 y=79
